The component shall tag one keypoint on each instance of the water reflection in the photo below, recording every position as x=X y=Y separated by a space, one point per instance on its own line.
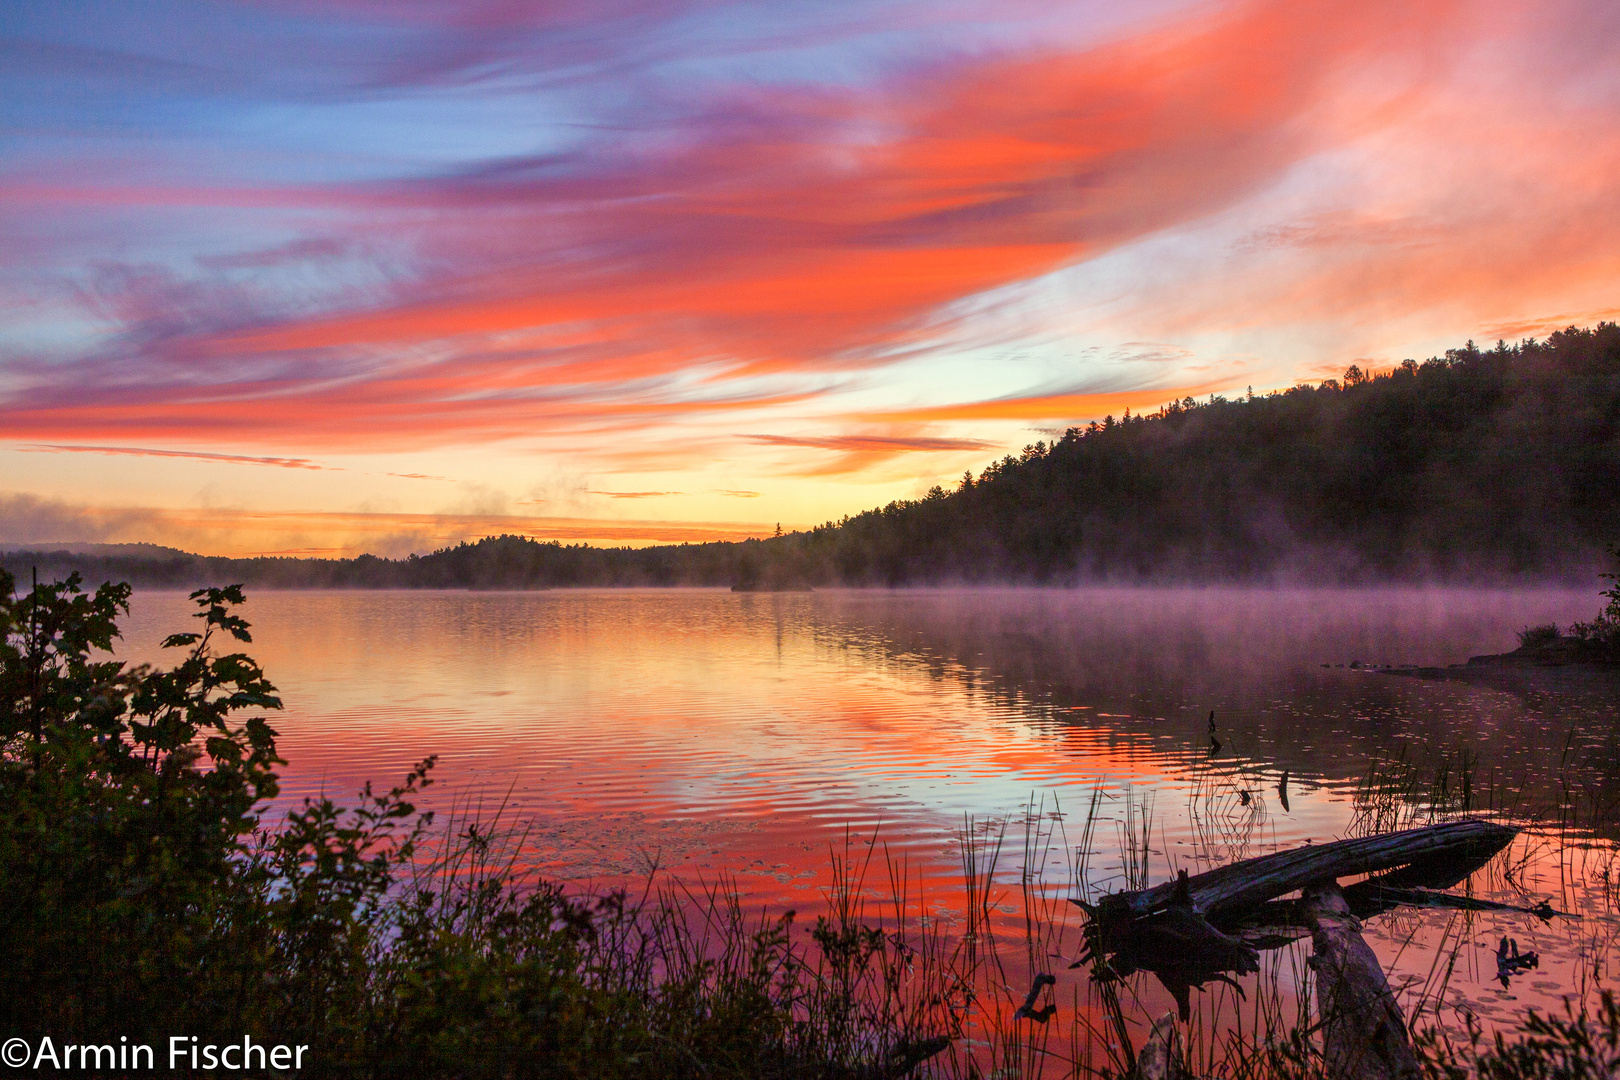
x=851 y=707
x=707 y=732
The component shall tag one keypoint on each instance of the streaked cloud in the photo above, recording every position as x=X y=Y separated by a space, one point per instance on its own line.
x=873 y=443
x=862 y=453
x=138 y=451
x=636 y=494
x=1059 y=406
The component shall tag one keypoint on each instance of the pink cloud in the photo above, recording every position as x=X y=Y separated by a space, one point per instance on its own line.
x=780 y=232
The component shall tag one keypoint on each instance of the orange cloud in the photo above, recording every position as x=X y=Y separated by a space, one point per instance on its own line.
x=858 y=453
x=397 y=417
x=1076 y=406
x=635 y=494
x=1479 y=213
x=882 y=444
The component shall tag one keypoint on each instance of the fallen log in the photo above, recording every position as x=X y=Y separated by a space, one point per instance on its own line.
x=1364 y=1035
x=1381 y=898
x=1199 y=929
x=1229 y=891
x=1409 y=886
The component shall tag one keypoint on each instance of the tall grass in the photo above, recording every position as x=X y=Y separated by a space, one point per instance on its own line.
x=475 y=969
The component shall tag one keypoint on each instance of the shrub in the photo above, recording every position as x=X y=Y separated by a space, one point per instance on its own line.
x=1604 y=630
x=1576 y=1046
x=1533 y=636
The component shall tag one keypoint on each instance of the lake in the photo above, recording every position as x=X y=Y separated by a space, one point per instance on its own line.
x=704 y=732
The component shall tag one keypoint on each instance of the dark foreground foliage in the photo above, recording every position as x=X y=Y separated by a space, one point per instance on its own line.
x=1581 y=1044
x=142 y=896
x=1576 y=1046
x=1478 y=465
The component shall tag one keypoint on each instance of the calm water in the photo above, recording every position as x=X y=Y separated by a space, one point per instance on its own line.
x=706 y=731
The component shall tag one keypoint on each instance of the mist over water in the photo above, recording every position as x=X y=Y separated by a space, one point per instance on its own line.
x=705 y=731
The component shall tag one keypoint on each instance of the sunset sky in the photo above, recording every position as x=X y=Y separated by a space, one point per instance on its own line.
x=331 y=276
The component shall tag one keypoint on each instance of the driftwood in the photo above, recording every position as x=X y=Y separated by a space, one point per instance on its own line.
x=1364 y=1036
x=1279 y=921
x=1229 y=890
x=1205 y=928
x=1377 y=899
x=1175 y=942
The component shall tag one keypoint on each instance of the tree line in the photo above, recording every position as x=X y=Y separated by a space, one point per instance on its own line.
x=1482 y=464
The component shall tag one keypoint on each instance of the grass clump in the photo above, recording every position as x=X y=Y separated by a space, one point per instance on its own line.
x=1580 y=1045
x=1533 y=637
x=143 y=894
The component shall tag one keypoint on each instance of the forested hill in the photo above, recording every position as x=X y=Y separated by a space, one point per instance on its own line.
x=1475 y=465
x=1479 y=465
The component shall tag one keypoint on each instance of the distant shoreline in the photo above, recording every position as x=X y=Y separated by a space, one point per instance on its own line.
x=507 y=564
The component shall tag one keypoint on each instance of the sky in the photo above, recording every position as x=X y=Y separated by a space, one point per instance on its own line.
x=331 y=276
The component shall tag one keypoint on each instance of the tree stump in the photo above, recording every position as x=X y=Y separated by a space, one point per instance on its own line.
x=1160 y=1058
x=1364 y=1033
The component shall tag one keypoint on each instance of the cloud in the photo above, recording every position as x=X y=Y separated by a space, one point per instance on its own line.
x=1151 y=352
x=293 y=251
x=26 y=519
x=873 y=443
x=1542 y=325
x=859 y=453
x=776 y=231
x=1469 y=214
x=137 y=451
x=636 y=494
x=1058 y=406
